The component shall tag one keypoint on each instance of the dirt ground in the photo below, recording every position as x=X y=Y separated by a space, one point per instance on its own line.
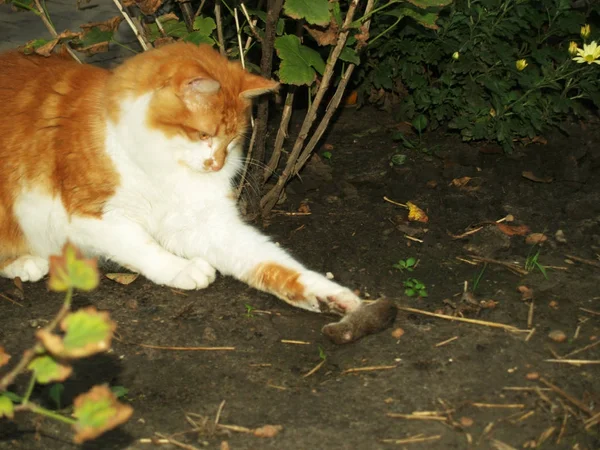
x=475 y=378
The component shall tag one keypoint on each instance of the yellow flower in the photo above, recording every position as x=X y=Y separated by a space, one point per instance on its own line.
x=589 y=54
x=455 y=55
x=585 y=31
x=573 y=48
x=521 y=64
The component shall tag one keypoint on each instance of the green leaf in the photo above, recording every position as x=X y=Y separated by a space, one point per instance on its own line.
x=204 y=25
x=349 y=55
x=196 y=37
x=314 y=11
x=7 y=409
x=427 y=19
x=98 y=411
x=327 y=155
x=71 y=270
x=56 y=392
x=298 y=62
x=12 y=396
x=420 y=122
x=119 y=391
x=398 y=159
x=85 y=328
x=95 y=35
x=47 y=370
x=411 y=261
x=424 y=4
x=409 y=292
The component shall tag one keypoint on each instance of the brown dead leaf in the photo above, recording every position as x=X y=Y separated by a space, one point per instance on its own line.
x=304 y=208
x=161 y=41
x=530 y=176
x=431 y=184
x=122 y=278
x=18 y=283
x=86 y=427
x=488 y=304
x=324 y=35
x=148 y=6
x=535 y=238
x=4 y=357
x=553 y=304
x=362 y=37
x=416 y=214
x=328 y=147
x=106 y=25
x=466 y=422
x=532 y=376
x=267 y=431
x=460 y=182
x=513 y=230
x=397 y=333
x=99 y=47
x=526 y=293
x=557 y=336
x=46 y=49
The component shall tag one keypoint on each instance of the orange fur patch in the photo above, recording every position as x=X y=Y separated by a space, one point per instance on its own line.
x=278 y=280
x=51 y=138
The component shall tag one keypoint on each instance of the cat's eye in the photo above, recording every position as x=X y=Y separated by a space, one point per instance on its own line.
x=203 y=136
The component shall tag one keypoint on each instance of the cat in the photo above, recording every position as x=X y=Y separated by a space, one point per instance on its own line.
x=136 y=165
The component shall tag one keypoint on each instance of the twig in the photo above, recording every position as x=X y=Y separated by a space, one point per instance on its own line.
x=199 y=10
x=52 y=30
x=189 y=349
x=414 y=239
x=176 y=443
x=394 y=203
x=530 y=315
x=447 y=341
x=566 y=396
x=239 y=38
x=524 y=388
x=367 y=369
x=592 y=421
x=186 y=10
x=590 y=311
x=530 y=335
x=417 y=416
x=499 y=405
x=563 y=428
x=583 y=349
x=6 y=297
x=589 y=262
x=509 y=266
x=160 y=27
x=314 y=369
x=412 y=440
x=282 y=134
x=288 y=213
x=573 y=361
x=141 y=39
x=291 y=341
x=251 y=23
x=219 y=23
x=464 y=319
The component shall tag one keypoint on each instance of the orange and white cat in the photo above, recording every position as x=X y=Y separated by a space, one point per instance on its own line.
x=136 y=165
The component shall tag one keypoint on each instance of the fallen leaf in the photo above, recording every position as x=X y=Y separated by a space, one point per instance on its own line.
x=460 y=182
x=488 y=304
x=18 y=283
x=304 y=208
x=466 y=421
x=122 y=278
x=532 y=376
x=4 y=357
x=97 y=411
x=106 y=25
x=526 y=293
x=267 y=431
x=553 y=304
x=397 y=333
x=513 y=230
x=535 y=238
x=557 y=336
x=530 y=176
x=416 y=214
x=149 y=6
x=324 y=35
x=351 y=98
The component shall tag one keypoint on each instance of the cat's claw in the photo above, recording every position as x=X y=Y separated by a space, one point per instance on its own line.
x=326 y=296
x=27 y=268
x=197 y=274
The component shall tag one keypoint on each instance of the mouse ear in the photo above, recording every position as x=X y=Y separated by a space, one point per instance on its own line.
x=254 y=85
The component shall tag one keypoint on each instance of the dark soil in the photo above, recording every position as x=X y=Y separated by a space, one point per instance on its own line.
x=356 y=235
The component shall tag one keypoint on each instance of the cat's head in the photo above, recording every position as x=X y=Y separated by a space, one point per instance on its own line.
x=185 y=104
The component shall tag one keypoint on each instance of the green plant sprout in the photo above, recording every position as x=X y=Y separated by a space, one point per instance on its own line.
x=249 y=309
x=409 y=264
x=478 y=277
x=532 y=262
x=414 y=287
x=84 y=333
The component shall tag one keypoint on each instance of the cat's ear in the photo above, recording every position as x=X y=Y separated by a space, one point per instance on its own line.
x=200 y=85
x=254 y=85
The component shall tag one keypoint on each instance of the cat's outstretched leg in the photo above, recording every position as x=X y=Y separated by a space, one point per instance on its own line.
x=26 y=267
x=130 y=245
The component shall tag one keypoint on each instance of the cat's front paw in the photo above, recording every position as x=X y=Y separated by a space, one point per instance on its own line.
x=326 y=296
x=197 y=274
x=27 y=268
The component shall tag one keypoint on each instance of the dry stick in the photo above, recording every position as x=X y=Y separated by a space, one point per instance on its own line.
x=282 y=134
x=464 y=319
x=566 y=396
x=573 y=361
x=447 y=341
x=394 y=203
x=314 y=369
x=271 y=197
x=186 y=10
x=190 y=349
x=530 y=315
x=6 y=297
x=591 y=311
x=367 y=369
x=563 y=428
x=176 y=443
x=291 y=341
x=141 y=39
x=509 y=266
x=219 y=27
x=52 y=30
x=199 y=10
x=415 y=416
x=592 y=421
x=583 y=349
x=412 y=440
x=160 y=27
x=589 y=262
x=251 y=24
x=499 y=405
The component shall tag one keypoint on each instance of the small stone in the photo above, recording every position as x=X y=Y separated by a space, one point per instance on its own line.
x=532 y=376
x=557 y=336
x=560 y=237
x=209 y=334
x=131 y=304
x=388 y=400
x=397 y=333
x=466 y=421
x=553 y=304
x=535 y=238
